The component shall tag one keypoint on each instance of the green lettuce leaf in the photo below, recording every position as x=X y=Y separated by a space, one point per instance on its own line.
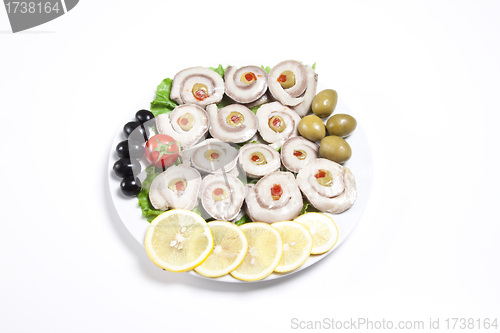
x=244 y=219
x=148 y=211
x=307 y=207
x=151 y=173
x=255 y=108
x=266 y=68
x=314 y=66
x=162 y=102
x=241 y=144
x=219 y=70
x=225 y=101
x=197 y=210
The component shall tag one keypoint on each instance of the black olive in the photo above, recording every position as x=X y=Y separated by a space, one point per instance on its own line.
x=143 y=115
x=135 y=149
x=130 y=127
x=124 y=167
x=122 y=149
x=150 y=128
x=131 y=149
x=130 y=186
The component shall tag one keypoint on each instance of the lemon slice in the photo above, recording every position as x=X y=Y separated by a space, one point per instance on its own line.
x=178 y=240
x=323 y=231
x=263 y=254
x=297 y=245
x=230 y=247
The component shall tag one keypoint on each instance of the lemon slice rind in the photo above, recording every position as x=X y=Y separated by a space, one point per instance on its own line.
x=178 y=240
x=297 y=245
x=264 y=252
x=323 y=230
x=230 y=247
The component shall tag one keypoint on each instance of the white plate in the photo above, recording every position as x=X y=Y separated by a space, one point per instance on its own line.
x=360 y=163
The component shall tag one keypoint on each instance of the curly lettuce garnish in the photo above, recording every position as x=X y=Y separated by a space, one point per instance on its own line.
x=266 y=68
x=219 y=70
x=307 y=208
x=148 y=211
x=162 y=102
x=244 y=219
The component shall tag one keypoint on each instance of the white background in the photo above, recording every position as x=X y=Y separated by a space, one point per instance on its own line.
x=422 y=78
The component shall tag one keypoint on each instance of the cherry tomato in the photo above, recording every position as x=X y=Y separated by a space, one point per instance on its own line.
x=161 y=150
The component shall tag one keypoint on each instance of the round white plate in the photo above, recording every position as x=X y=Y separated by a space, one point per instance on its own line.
x=360 y=163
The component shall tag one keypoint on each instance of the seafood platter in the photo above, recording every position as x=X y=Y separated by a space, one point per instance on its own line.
x=241 y=174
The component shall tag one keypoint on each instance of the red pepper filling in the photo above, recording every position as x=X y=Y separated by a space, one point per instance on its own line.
x=250 y=77
x=179 y=186
x=297 y=153
x=235 y=119
x=200 y=94
x=320 y=174
x=277 y=122
x=255 y=158
x=218 y=191
x=183 y=121
x=276 y=191
x=282 y=78
x=214 y=156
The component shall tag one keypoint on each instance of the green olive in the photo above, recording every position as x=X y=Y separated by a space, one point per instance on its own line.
x=324 y=177
x=235 y=119
x=177 y=184
x=277 y=124
x=312 y=128
x=324 y=103
x=287 y=79
x=258 y=158
x=335 y=148
x=341 y=125
x=186 y=121
x=200 y=91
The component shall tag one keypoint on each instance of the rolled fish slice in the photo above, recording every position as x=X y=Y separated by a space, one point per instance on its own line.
x=246 y=84
x=258 y=159
x=234 y=123
x=329 y=186
x=197 y=85
x=304 y=107
x=291 y=96
x=275 y=197
x=266 y=98
x=222 y=196
x=277 y=123
x=296 y=152
x=177 y=187
x=187 y=124
x=211 y=156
